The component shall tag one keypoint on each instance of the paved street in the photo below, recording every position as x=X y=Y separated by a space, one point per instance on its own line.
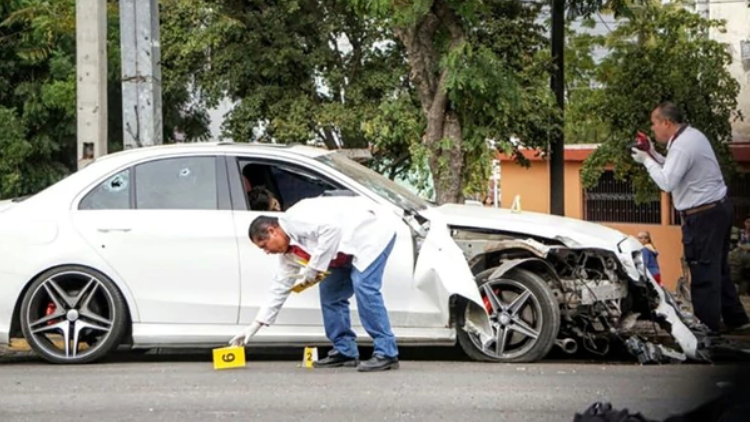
x=158 y=388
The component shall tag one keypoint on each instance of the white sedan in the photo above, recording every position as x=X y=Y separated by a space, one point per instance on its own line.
x=149 y=248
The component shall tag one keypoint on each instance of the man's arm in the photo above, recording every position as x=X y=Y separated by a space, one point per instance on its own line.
x=281 y=287
x=668 y=176
x=657 y=156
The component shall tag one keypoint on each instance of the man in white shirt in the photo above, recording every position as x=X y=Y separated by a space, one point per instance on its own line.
x=349 y=237
x=692 y=174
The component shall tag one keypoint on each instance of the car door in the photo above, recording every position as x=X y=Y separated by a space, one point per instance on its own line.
x=166 y=227
x=290 y=182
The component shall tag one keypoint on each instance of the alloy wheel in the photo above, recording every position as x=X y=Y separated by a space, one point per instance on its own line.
x=70 y=315
x=516 y=319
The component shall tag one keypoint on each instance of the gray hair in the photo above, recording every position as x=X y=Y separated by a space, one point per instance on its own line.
x=259 y=227
x=670 y=112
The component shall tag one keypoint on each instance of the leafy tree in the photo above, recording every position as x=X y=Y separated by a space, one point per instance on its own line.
x=297 y=70
x=581 y=84
x=480 y=71
x=38 y=94
x=427 y=85
x=661 y=53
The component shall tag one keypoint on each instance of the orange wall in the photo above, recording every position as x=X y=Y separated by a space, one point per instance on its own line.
x=533 y=185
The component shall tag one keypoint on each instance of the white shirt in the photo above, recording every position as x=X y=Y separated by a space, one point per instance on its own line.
x=323 y=227
x=690 y=171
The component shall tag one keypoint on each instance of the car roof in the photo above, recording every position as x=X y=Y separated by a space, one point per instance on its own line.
x=213 y=146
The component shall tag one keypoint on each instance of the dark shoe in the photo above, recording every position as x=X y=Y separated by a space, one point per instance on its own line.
x=378 y=363
x=336 y=359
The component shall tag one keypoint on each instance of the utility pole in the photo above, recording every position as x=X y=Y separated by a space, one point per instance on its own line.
x=141 y=73
x=91 y=80
x=557 y=143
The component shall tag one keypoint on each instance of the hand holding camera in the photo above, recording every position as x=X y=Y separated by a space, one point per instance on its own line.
x=642 y=142
x=642 y=148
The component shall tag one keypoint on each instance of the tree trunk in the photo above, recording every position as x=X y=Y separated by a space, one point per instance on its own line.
x=446 y=164
x=443 y=137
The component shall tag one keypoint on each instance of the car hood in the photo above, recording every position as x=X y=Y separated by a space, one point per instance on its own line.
x=574 y=233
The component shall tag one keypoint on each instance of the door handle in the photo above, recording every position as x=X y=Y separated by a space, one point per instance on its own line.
x=108 y=230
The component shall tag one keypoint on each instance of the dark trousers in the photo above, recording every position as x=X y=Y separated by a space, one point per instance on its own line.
x=705 y=238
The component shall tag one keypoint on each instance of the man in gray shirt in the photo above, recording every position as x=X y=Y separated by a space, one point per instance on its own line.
x=692 y=174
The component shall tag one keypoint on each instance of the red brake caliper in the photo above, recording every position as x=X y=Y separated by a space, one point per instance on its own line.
x=50 y=309
x=487 y=303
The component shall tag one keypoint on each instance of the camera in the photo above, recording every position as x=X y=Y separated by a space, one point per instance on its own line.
x=641 y=142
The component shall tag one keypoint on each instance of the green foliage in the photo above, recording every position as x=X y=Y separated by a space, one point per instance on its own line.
x=499 y=81
x=297 y=70
x=660 y=54
x=493 y=57
x=38 y=94
x=335 y=73
x=582 y=126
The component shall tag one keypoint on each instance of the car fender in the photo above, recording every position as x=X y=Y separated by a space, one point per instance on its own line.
x=442 y=273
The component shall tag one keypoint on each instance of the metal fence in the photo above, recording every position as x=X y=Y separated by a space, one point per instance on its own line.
x=614 y=201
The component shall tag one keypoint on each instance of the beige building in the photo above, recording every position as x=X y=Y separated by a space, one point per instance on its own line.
x=736 y=13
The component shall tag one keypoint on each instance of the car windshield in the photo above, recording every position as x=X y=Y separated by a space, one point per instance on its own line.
x=376 y=182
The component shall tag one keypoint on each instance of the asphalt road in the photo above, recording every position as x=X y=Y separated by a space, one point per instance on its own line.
x=159 y=388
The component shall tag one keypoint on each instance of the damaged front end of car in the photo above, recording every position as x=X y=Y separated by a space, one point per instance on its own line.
x=604 y=296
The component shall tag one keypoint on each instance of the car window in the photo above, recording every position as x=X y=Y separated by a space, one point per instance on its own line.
x=287 y=183
x=294 y=185
x=112 y=194
x=183 y=183
x=379 y=184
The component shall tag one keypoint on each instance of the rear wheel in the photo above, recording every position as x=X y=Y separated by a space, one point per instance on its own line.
x=73 y=315
x=524 y=314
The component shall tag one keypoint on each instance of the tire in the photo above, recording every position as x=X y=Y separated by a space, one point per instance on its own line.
x=80 y=301
x=539 y=311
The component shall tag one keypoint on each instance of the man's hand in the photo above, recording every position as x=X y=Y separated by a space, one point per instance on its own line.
x=243 y=337
x=639 y=156
x=308 y=275
x=650 y=145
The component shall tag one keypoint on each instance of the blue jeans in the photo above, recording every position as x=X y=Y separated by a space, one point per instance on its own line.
x=335 y=292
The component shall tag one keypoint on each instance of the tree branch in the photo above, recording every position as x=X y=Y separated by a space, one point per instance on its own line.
x=396 y=163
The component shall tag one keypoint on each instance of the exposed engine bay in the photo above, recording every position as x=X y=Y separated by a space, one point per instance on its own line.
x=599 y=301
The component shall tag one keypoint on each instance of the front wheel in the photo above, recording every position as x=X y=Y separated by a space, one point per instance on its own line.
x=524 y=314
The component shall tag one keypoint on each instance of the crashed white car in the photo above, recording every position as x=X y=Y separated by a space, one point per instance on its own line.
x=149 y=248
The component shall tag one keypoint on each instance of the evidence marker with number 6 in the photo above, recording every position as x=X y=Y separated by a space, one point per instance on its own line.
x=229 y=357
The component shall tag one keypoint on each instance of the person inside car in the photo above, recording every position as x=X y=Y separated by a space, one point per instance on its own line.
x=261 y=199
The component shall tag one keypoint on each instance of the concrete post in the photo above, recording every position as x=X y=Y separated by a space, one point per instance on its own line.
x=91 y=79
x=141 y=73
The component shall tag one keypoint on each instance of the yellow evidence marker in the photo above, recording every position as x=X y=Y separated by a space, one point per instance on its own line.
x=310 y=355
x=229 y=357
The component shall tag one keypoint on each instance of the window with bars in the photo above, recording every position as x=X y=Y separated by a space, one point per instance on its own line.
x=612 y=200
x=738 y=192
